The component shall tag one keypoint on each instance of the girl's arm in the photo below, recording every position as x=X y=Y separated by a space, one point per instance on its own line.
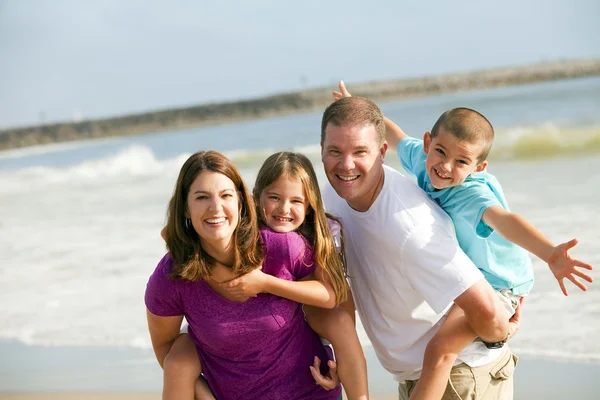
x=521 y=232
x=310 y=290
x=163 y=332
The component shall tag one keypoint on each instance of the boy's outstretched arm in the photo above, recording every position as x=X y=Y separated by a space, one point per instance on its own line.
x=393 y=133
x=521 y=232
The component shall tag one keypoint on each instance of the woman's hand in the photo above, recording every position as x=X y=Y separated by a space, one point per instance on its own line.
x=249 y=285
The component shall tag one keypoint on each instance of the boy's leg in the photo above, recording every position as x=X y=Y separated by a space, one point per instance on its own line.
x=337 y=326
x=441 y=353
x=182 y=370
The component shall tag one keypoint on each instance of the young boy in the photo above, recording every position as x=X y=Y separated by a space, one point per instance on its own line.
x=449 y=165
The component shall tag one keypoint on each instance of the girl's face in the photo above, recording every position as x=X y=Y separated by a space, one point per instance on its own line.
x=284 y=205
x=213 y=207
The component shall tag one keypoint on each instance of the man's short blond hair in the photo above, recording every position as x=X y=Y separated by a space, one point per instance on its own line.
x=355 y=111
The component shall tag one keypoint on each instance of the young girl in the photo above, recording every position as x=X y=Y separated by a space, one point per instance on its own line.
x=289 y=202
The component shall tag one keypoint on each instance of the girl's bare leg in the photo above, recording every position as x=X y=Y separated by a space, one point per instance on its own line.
x=182 y=371
x=337 y=326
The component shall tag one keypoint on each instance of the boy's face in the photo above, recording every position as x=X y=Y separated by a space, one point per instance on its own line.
x=450 y=161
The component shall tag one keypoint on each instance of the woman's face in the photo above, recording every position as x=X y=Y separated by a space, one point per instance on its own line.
x=213 y=207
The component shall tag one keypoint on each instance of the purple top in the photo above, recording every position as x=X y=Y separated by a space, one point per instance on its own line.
x=260 y=349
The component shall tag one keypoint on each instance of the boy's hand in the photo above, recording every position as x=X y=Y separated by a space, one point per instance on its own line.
x=563 y=266
x=249 y=285
x=342 y=93
x=326 y=382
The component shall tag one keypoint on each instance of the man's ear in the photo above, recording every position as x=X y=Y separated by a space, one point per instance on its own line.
x=383 y=150
x=426 y=142
x=481 y=166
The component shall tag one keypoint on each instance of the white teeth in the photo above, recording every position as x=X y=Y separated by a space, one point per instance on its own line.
x=283 y=219
x=215 y=221
x=441 y=175
x=348 y=178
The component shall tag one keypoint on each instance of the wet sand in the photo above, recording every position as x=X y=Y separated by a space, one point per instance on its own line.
x=66 y=373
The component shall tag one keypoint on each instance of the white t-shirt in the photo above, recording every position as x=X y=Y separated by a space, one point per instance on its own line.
x=405 y=270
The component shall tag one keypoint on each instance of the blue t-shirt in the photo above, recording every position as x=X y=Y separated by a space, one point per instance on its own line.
x=504 y=264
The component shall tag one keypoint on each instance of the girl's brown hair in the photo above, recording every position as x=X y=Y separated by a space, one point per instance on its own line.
x=315 y=227
x=183 y=242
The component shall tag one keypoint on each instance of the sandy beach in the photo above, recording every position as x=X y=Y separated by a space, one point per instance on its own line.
x=65 y=373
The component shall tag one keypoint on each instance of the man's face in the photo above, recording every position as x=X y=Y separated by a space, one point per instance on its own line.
x=353 y=162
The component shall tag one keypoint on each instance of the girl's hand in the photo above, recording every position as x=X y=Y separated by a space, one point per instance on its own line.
x=249 y=285
x=342 y=93
x=326 y=382
x=563 y=266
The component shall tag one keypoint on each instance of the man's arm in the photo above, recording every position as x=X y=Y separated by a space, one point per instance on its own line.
x=484 y=312
x=349 y=306
x=521 y=232
x=163 y=332
x=393 y=134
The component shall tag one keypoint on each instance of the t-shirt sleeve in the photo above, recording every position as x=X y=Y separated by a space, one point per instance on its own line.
x=301 y=256
x=411 y=154
x=162 y=297
x=336 y=234
x=290 y=251
x=469 y=203
x=436 y=267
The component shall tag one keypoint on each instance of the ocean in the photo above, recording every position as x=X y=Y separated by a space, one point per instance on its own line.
x=80 y=222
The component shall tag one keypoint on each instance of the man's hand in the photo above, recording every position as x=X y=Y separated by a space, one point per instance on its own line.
x=326 y=382
x=249 y=285
x=563 y=266
x=342 y=93
x=515 y=320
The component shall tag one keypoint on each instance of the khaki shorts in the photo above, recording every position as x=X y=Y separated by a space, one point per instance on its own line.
x=509 y=300
x=487 y=382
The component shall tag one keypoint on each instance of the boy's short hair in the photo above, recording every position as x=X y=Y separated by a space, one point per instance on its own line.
x=357 y=111
x=467 y=125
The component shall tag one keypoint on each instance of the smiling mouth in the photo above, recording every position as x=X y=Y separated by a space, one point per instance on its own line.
x=348 y=178
x=440 y=175
x=215 y=221
x=283 y=219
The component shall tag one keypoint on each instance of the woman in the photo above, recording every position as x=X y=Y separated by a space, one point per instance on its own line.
x=258 y=348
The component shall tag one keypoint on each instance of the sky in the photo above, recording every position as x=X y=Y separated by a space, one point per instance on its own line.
x=68 y=59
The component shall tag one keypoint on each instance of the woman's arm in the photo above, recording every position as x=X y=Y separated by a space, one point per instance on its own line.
x=310 y=290
x=163 y=332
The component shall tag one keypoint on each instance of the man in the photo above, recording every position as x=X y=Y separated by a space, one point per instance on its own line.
x=405 y=267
